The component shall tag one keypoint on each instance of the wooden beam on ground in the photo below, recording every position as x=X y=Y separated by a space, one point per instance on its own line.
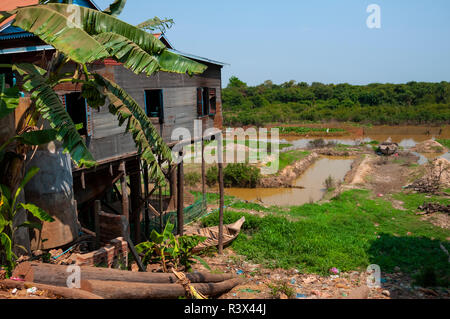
x=64 y=292
x=57 y=275
x=133 y=290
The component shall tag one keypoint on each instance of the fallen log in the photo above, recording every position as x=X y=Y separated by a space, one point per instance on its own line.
x=57 y=275
x=133 y=290
x=66 y=293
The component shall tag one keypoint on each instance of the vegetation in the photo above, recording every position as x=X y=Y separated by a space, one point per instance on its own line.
x=235 y=175
x=167 y=249
x=192 y=178
x=288 y=158
x=445 y=143
x=9 y=207
x=241 y=175
x=349 y=233
x=308 y=130
x=290 y=102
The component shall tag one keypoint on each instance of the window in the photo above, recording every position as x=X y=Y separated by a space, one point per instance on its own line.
x=154 y=104
x=206 y=101
x=79 y=111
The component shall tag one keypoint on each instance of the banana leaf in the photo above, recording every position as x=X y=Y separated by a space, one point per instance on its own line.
x=50 y=107
x=115 y=8
x=60 y=31
x=9 y=98
x=95 y=22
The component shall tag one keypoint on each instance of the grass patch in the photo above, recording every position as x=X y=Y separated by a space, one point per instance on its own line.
x=302 y=130
x=350 y=233
x=444 y=142
x=288 y=158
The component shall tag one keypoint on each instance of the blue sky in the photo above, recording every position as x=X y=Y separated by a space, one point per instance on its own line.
x=324 y=41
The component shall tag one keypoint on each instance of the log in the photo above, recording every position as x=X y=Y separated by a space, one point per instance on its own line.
x=133 y=290
x=56 y=275
x=66 y=293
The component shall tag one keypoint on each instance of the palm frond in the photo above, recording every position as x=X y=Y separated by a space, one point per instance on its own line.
x=115 y=8
x=59 y=31
x=50 y=107
x=95 y=22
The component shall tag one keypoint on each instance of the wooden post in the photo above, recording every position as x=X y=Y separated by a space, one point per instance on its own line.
x=221 y=191
x=221 y=203
x=146 y=191
x=203 y=172
x=98 y=209
x=180 y=204
x=136 y=207
x=161 y=210
x=123 y=184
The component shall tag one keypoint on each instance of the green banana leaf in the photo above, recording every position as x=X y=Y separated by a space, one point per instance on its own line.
x=50 y=107
x=129 y=53
x=38 y=137
x=59 y=31
x=115 y=8
x=38 y=212
x=95 y=22
x=9 y=98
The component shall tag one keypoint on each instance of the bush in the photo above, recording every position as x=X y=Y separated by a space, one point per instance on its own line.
x=241 y=175
x=329 y=183
x=212 y=175
x=192 y=178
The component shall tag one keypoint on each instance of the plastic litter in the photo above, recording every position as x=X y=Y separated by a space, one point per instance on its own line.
x=334 y=270
x=239 y=272
x=300 y=296
x=14 y=291
x=293 y=281
x=250 y=290
x=32 y=290
x=17 y=279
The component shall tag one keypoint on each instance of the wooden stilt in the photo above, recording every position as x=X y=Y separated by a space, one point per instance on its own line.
x=161 y=210
x=146 y=195
x=136 y=207
x=180 y=204
x=98 y=209
x=124 y=186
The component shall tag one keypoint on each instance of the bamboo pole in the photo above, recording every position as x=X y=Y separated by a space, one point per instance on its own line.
x=123 y=184
x=97 y=210
x=146 y=210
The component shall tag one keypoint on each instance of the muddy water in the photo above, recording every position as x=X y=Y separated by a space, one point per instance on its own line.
x=312 y=180
x=406 y=136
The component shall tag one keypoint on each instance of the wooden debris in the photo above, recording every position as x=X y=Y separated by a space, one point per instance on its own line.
x=134 y=290
x=57 y=275
x=66 y=293
x=430 y=208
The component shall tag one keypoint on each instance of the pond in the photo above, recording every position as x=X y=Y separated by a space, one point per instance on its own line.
x=312 y=181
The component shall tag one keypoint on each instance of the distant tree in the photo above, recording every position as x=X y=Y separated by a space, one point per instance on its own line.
x=236 y=83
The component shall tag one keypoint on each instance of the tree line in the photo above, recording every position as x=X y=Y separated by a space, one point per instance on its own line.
x=410 y=103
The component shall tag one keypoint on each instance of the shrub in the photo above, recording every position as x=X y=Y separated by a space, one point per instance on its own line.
x=212 y=175
x=329 y=183
x=241 y=175
x=192 y=178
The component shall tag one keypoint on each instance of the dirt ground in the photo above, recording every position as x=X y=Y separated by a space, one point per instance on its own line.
x=263 y=283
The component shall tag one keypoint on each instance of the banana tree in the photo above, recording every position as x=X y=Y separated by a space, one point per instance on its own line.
x=94 y=36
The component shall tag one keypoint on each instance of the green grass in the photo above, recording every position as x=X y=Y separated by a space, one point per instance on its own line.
x=288 y=158
x=305 y=130
x=342 y=234
x=445 y=143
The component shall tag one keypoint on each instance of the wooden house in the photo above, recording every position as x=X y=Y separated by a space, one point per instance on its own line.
x=170 y=100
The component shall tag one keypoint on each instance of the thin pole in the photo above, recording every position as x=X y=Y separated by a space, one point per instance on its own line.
x=146 y=191
x=203 y=172
x=221 y=191
x=123 y=184
x=98 y=209
x=180 y=205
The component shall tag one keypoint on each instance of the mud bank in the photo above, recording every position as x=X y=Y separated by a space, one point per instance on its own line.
x=289 y=174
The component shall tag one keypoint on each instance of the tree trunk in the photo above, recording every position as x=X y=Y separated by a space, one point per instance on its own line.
x=56 y=275
x=66 y=293
x=133 y=290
